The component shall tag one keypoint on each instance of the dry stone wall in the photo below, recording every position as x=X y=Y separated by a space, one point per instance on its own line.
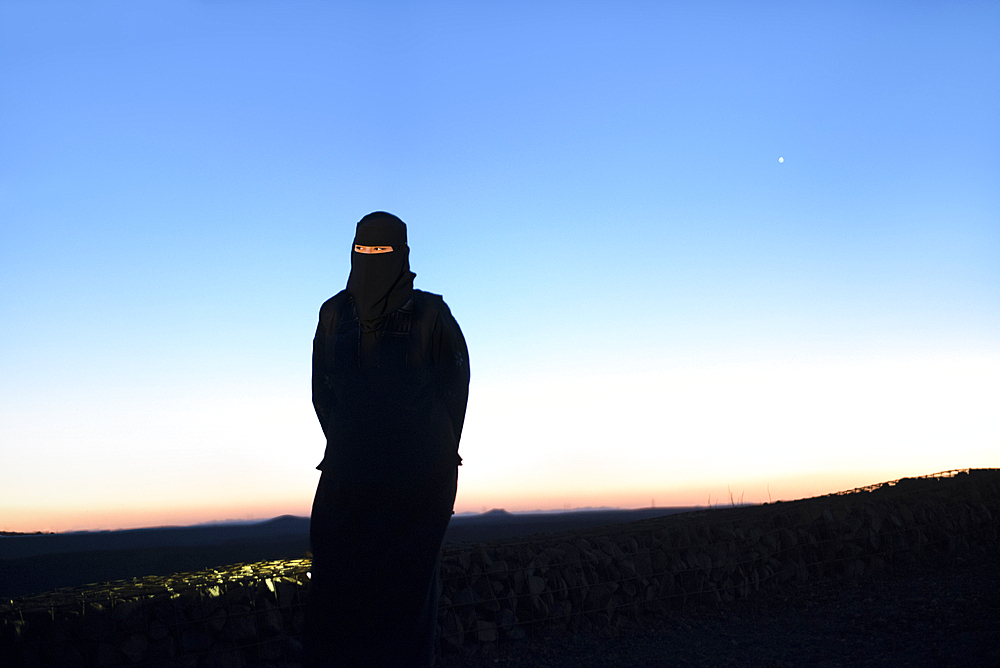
x=597 y=578
x=245 y=615
x=252 y=615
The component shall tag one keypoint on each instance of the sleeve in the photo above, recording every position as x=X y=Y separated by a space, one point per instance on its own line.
x=322 y=387
x=452 y=359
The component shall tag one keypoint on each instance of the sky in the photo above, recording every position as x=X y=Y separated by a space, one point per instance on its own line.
x=696 y=248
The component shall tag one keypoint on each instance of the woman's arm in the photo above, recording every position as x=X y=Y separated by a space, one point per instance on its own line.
x=322 y=388
x=451 y=356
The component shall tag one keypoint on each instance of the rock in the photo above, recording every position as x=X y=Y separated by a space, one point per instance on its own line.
x=224 y=657
x=107 y=656
x=452 y=629
x=171 y=612
x=268 y=617
x=486 y=631
x=130 y=616
x=295 y=651
x=165 y=648
x=465 y=596
x=157 y=630
x=134 y=648
x=287 y=591
x=297 y=623
x=195 y=640
x=271 y=650
x=240 y=625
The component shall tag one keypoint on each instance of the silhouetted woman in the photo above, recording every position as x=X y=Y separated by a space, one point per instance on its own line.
x=390 y=384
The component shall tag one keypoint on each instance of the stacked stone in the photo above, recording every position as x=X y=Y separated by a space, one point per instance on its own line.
x=500 y=590
x=246 y=615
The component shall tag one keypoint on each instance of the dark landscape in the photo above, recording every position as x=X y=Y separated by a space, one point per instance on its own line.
x=37 y=563
x=903 y=573
x=934 y=615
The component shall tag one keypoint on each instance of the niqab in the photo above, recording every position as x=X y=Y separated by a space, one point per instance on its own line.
x=380 y=283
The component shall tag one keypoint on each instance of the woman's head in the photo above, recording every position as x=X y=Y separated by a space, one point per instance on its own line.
x=380 y=280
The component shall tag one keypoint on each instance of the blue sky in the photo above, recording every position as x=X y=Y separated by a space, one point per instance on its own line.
x=655 y=306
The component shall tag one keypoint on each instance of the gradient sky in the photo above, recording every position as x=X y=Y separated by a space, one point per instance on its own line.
x=656 y=308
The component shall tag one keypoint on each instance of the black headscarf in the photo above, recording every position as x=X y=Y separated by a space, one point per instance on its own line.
x=380 y=283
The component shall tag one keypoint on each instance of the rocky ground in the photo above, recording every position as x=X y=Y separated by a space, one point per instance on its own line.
x=918 y=615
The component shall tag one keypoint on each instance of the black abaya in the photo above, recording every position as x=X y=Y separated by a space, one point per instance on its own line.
x=392 y=405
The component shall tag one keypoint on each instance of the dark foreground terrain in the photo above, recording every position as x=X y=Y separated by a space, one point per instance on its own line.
x=944 y=614
x=34 y=564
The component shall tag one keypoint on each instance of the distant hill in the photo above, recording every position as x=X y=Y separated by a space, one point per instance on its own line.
x=498 y=523
x=12 y=547
x=36 y=563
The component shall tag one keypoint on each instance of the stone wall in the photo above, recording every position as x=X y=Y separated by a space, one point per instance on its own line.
x=244 y=615
x=598 y=577
x=251 y=615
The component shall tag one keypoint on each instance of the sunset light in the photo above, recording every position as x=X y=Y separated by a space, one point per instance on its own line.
x=700 y=252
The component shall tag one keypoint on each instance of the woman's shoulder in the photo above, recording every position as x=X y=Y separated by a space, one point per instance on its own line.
x=332 y=308
x=429 y=303
x=427 y=298
x=334 y=302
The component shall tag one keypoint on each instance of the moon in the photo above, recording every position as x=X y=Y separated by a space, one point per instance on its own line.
x=781 y=159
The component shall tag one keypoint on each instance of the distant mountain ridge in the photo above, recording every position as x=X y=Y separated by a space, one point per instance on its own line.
x=15 y=546
x=35 y=563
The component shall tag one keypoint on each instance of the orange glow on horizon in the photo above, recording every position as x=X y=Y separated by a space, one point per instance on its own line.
x=789 y=488
x=61 y=520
